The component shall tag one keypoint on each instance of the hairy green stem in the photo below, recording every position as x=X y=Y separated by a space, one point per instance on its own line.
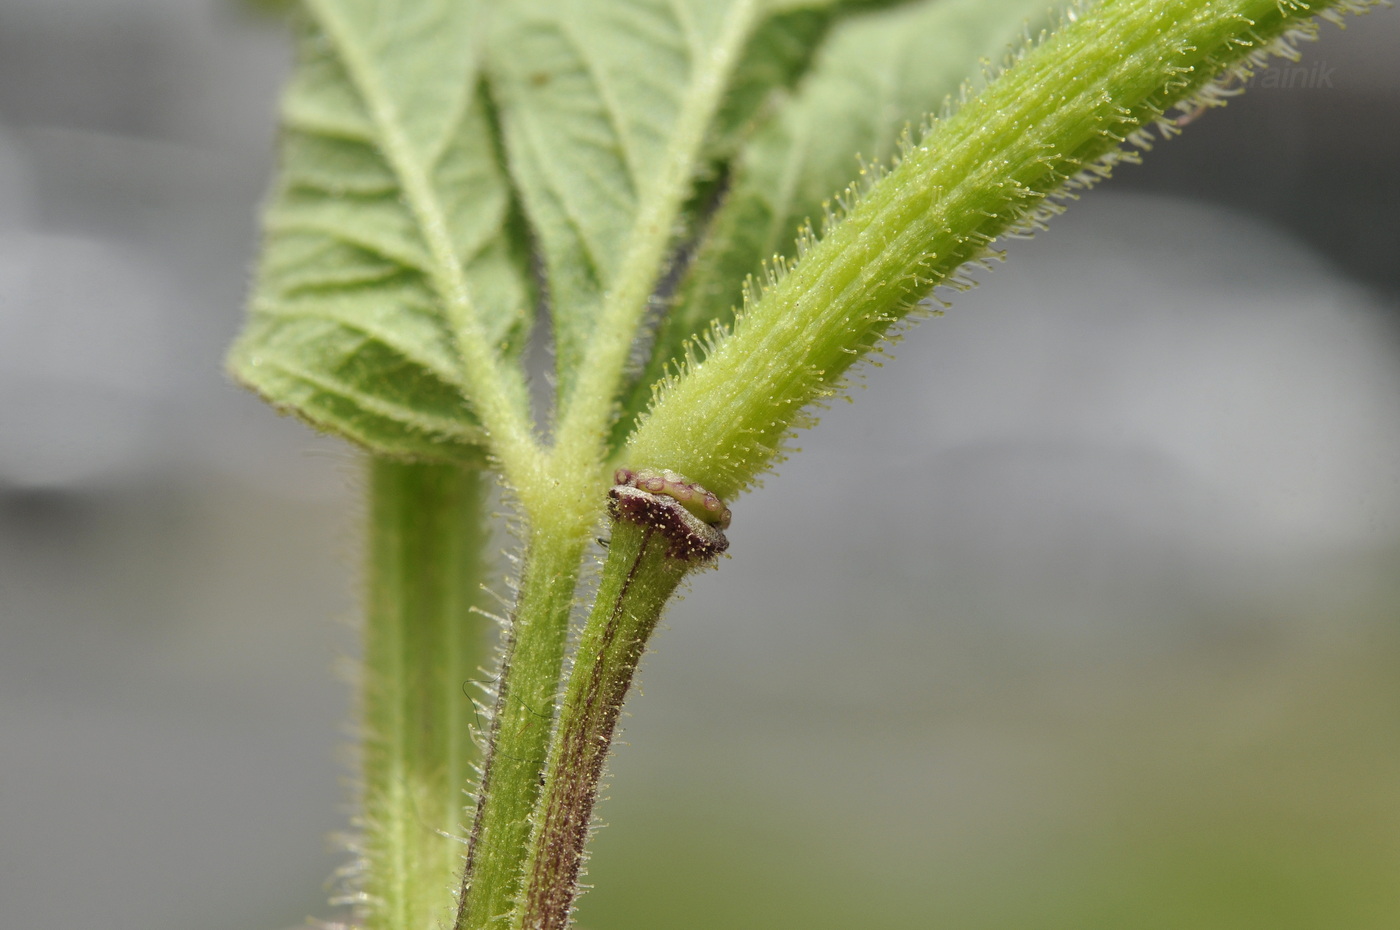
x=653 y=545
x=423 y=643
x=523 y=718
x=1069 y=103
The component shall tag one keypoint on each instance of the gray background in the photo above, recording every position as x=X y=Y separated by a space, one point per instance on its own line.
x=1083 y=613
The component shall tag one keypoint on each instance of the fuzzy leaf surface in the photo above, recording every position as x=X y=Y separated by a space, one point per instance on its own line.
x=611 y=110
x=389 y=195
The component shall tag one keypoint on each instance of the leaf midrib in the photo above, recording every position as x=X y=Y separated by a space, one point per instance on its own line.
x=486 y=379
x=583 y=425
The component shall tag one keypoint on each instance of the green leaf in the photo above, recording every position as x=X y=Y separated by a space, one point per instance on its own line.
x=605 y=107
x=877 y=75
x=390 y=244
x=777 y=54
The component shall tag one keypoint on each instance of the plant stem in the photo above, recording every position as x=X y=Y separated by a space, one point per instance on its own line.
x=1064 y=108
x=422 y=643
x=654 y=544
x=523 y=717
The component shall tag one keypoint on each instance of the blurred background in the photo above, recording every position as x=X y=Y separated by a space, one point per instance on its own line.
x=1084 y=614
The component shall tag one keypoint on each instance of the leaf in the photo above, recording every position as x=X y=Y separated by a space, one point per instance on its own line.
x=877 y=75
x=778 y=53
x=610 y=109
x=389 y=235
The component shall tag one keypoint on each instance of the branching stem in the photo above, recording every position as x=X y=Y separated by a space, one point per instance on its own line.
x=1064 y=109
x=654 y=543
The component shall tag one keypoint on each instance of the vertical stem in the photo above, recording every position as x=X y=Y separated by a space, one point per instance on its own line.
x=522 y=721
x=422 y=644
x=654 y=544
